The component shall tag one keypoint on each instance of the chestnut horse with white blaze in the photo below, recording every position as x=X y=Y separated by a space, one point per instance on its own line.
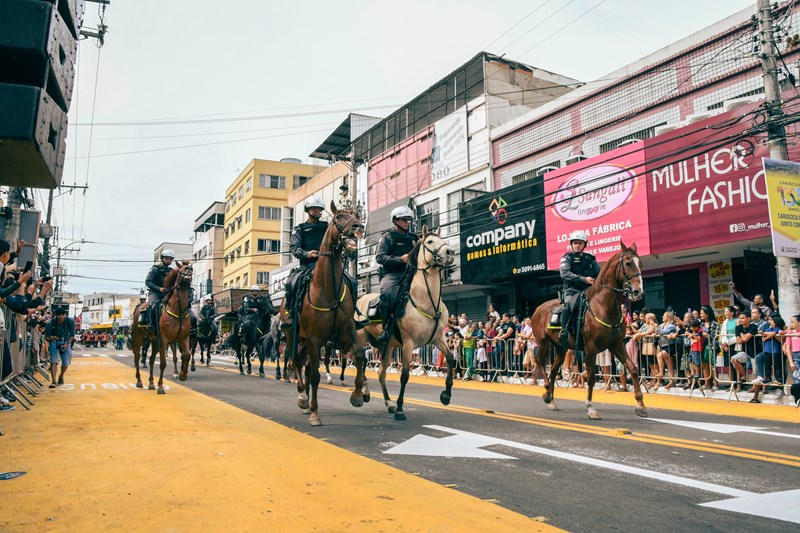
x=603 y=325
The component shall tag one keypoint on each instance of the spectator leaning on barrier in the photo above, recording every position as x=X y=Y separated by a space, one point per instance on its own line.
x=770 y=360
x=751 y=345
x=709 y=359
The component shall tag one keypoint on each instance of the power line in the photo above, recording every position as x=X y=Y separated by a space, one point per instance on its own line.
x=517 y=24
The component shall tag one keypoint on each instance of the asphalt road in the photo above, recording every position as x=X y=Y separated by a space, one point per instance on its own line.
x=680 y=469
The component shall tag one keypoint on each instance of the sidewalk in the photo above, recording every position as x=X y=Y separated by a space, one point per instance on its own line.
x=104 y=456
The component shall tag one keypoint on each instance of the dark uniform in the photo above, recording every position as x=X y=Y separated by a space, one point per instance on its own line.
x=154 y=282
x=254 y=305
x=392 y=246
x=305 y=238
x=208 y=312
x=574 y=268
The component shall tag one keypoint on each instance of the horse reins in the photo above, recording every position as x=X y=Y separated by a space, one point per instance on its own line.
x=625 y=291
x=437 y=262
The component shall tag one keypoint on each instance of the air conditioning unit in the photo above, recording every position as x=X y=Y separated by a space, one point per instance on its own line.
x=544 y=170
x=575 y=159
x=666 y=128
x=736 y=103
x=691 y=119
x=628 y=142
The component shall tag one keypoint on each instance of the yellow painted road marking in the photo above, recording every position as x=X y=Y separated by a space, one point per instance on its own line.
x=746 y=453
x=118 y=458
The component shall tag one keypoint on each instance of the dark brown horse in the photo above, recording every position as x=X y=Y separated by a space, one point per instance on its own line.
x=173 y=325
x=326 y=313
x=603 y=325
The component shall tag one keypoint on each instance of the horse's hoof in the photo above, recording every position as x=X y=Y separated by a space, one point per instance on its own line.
x=314 y=421
x=183 y=376
x=139 y=386
x=642 y=412
x=241 y=372
x=161 y=391
x=174 y=376
x=594 y=415
x=392 y=409
x=208 y=364
x=400 y=416
x=329 y=380
x=366 y=398
x=249 y=371
x=356 y=402
x=445 y=398
x=193 y=368
x=306 y=411
x=547 y=398
x=151 y=387
x=262 y=375
x=302 y=404
x=552 y=406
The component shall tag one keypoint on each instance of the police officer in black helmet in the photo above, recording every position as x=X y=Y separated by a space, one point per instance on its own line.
x=155 y=284
x=392 y=255
x=578 y=271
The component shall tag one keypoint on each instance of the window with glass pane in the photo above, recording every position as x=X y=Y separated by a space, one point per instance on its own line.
x=249 y=183
x=299 y=181
x=262 y=278
x=429 y=214
x=246 y=247
x=269 y=213
x=268 y=181
x=247 y=215
x=269 y=245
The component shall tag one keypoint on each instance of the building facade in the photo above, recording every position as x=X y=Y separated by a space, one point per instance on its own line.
x=101 y=310
x=207 y=250
x=254 y=208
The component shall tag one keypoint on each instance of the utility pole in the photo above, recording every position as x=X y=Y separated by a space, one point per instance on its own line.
x=788 y=293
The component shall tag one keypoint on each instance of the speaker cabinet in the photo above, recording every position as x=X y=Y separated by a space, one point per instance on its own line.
x=33 y=130
x=37 y=48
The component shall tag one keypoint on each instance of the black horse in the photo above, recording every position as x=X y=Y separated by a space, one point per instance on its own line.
x=254 y=326
x=206 y=337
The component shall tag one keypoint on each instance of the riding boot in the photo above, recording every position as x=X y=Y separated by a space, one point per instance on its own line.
x=388 y=323
x=563 y=336
x=144 y=318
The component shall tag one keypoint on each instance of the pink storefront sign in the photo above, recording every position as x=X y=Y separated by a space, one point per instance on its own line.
x=604 y=196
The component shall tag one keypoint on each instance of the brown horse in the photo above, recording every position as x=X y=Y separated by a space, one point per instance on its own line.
x=603 y=325
x=326 y=313
x=424 y=318
x=173 y=326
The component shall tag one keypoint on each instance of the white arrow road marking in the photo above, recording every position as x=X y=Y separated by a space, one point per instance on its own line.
x=723 y=428
x=782 y=505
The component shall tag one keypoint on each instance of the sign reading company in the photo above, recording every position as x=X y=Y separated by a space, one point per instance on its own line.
x=604 y=197
x=449 y=156
x=503 y=233
x=783 y=192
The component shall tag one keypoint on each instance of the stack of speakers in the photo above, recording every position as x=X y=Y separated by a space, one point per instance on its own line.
x=38 y=45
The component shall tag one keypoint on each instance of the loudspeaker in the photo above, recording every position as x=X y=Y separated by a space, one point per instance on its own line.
x=72 y=13
x=33 y=131
x=37 y=48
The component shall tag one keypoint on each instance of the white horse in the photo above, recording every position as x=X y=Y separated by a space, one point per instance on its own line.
x=425 y=316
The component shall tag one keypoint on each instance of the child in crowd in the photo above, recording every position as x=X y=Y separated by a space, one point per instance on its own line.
x=695 y=351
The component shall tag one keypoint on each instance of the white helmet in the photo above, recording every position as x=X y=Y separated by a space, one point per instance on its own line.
x=313 y=201
x=578 y=235
x=402 y=212
x=169 y=252
x=209 y=299
x=255 y=288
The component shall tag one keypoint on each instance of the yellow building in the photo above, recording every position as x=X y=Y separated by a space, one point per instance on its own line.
x=253 y=210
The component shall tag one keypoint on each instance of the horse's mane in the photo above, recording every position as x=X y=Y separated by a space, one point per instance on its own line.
x=411 y=266
x=591 y=291
x=169 y=280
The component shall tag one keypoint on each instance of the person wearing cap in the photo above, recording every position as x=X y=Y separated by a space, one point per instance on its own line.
x=578 y=271
x=392 y=255
x=155 y=284
x=59 y=332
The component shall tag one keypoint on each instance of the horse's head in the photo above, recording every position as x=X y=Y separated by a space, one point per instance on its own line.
x=185 y=272
x=629 y=273
x=346 y=229
x=434 y=251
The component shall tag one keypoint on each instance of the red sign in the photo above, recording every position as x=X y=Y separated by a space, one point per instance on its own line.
x=604 y=196
x=707 y=184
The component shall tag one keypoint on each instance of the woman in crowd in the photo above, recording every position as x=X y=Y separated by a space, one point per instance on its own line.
x=667 y=347
x=710 y=332
x=647 y=338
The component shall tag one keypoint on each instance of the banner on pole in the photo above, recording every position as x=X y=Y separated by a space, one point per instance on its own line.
x=783 y=197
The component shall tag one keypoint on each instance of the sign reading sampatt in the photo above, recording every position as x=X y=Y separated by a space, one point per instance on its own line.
x=503 y=233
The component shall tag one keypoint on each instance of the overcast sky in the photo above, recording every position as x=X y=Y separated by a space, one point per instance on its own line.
x=268 y=80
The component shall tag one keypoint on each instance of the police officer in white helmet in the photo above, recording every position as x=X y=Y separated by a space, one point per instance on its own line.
x=392 y=255
x=578 y=271
x=155 y=284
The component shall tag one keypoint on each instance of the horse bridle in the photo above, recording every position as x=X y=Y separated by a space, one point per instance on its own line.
x=626 y=285
x=438 y=261
x=344 y=236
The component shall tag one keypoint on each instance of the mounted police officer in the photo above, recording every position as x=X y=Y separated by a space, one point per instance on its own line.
x=208 y=312
x=304 y=245
x=392 y=255
x=578 y=271
x=254 y=304
x=155 y=284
